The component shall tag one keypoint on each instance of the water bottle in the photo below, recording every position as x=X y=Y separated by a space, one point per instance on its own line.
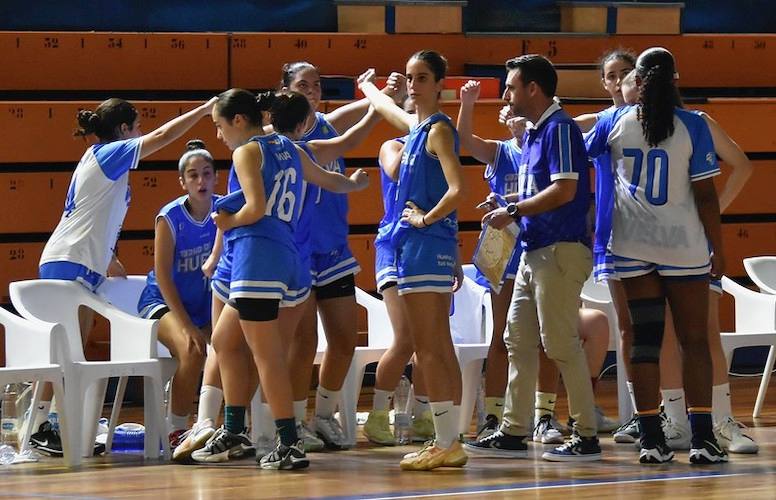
x=401 y=417
x=9 y=434
x=480 y=404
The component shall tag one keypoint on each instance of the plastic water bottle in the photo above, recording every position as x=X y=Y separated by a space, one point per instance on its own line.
x=9 y=434
x=401 y=417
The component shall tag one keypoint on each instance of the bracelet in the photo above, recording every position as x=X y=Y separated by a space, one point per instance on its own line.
x=423 y=220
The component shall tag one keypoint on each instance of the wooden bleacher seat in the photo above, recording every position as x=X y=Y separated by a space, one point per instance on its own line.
x=621 y=17
x=400 y=16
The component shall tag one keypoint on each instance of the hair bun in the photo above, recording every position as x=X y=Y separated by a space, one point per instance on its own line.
x=88 y=122
x=195 y=144
x=265 y=99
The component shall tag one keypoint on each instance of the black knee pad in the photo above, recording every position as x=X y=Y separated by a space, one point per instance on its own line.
x=343 y=287
x=257 y=309
x=648 y=319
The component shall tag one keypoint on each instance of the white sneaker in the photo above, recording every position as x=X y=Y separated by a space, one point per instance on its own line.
x=731 y=437
x=678 y=434
x=547 y=431
x=308 y=437
x=194 y=440
x=330 y=431
x=604 y=423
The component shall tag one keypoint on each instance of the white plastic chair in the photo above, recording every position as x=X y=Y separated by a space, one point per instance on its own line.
x=124 y=293
x=471 y=327
x=755 y=325
x=762 y=270
x=596 y=296
x=132 y=353
x=31 y=347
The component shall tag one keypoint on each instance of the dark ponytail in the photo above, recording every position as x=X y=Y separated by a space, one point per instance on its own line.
x=290 y=70
x=658 y=94
x=289 y=110
x=104 y=122
x=235 y=102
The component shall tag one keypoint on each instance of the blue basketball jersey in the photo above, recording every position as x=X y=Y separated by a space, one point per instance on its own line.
x=281 y=172
x=329 y=229
x=193 y=243
x=388 y=186
x=604 y=189
x=422 y=181
x=554 y=150
x=303 y=234
x=502 y=175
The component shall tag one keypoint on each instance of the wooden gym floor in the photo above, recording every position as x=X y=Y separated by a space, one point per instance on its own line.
x=372 y=472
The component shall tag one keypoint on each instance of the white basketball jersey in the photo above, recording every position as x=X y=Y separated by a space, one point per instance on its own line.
x=655 y=216
x=96 y=204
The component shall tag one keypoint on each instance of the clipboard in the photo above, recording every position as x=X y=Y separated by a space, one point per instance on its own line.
x=494 y=250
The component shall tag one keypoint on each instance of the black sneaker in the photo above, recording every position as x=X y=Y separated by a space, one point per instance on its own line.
x=499 y=445
x=660 y=453
x=709 y=453
x=48 y=440
x=489 y=427
x=576 y=449
x=224 y=446
x=285 y=457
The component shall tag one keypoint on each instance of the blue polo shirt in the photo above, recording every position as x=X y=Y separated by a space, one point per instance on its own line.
x=553 y=149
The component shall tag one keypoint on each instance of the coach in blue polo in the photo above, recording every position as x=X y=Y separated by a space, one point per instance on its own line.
x=551 y=206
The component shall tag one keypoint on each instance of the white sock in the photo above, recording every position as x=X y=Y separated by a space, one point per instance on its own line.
x=674 y=405
x=444 y=422
x=176 y=422
x=300 y=410
x=420 y=405
x=457 y=419
x=325 y=401
x=210 y=399
x=382 y=400
x=721 y=409
x=41 y=413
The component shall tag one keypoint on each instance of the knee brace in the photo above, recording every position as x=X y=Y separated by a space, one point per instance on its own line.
x=648 y=319
x=257 y=309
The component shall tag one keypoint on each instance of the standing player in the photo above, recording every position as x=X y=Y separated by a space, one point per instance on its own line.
x=666 y=214
x=82 y=246
x=177 y=292
x=424 y=239
x=729 y=432
x=263 y=225
x=332 y=266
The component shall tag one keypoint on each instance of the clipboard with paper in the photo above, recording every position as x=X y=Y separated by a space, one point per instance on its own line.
x=494 y=250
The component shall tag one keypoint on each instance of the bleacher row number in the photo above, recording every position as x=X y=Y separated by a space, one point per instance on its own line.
x=756 y=44
x=54 y=42
x=16 y=254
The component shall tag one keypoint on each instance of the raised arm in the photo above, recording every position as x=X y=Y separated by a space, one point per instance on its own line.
x=344 y=117
x=482 y=149
x=732 y=155
x=390 y=158
x=331 y=181
x=384 y=104
x=586 y=122
x=328 y=150
x=173 y=129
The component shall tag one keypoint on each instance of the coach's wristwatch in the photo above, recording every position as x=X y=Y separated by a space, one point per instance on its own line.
x=513 y=210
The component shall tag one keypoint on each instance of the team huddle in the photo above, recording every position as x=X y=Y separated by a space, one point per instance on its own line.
x=240 y=280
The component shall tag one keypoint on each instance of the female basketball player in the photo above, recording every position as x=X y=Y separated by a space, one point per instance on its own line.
x=424 y=238
x=82 y=246
x=177 y=293
x=665 y=215
x=261 y=226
